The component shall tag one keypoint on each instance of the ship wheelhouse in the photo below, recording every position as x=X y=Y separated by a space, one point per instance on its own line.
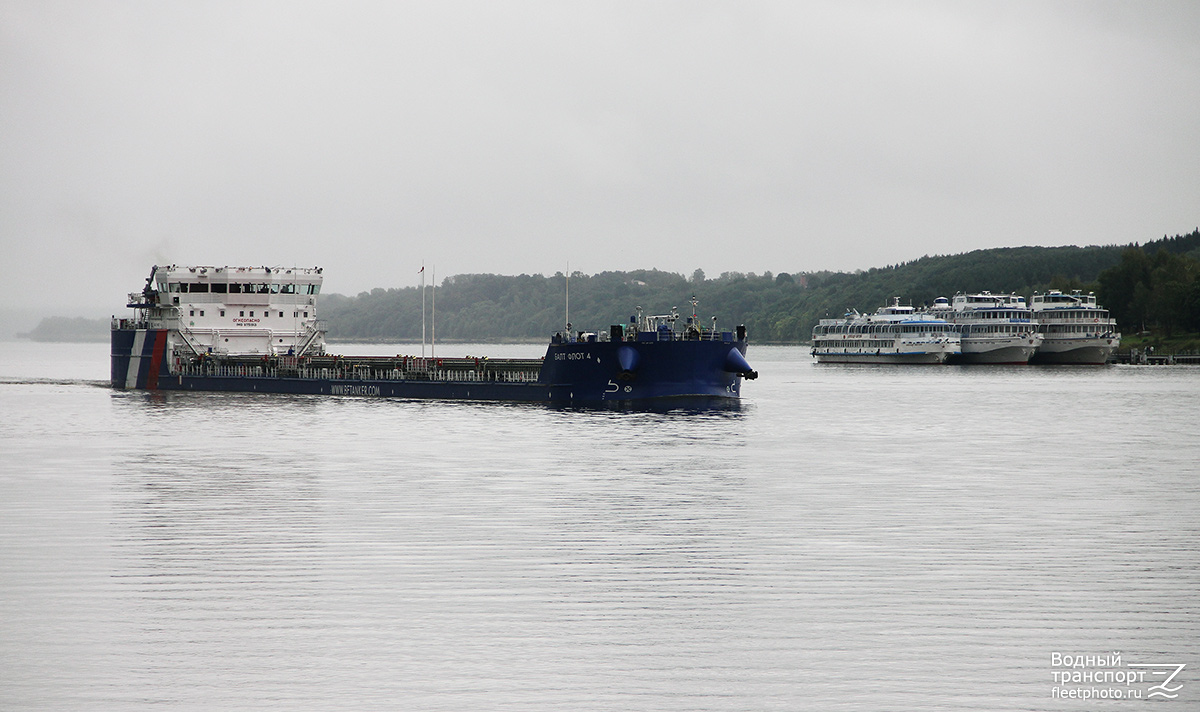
x=234 y=310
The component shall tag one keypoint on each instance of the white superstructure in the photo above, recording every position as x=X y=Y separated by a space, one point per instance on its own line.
x=234 y=310
x=893 y=334
x=1075 y=328
x=995 y=328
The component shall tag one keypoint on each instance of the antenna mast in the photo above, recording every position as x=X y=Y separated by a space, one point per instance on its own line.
x=422 y=311
x=433 y=314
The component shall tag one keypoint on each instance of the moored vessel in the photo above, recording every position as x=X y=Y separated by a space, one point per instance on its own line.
x=255 y=329
x=995 y=328
x=893 y=334
x=1075 y=329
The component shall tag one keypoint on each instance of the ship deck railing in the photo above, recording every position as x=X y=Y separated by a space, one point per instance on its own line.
x=123 y=324
x=698 y=335
x=368 y=369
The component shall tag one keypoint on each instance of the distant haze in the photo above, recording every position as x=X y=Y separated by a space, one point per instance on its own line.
x=515 y=137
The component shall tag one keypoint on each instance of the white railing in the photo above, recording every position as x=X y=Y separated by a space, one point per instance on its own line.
x=218 y=370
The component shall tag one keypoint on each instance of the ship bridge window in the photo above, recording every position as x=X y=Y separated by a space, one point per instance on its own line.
x=275 y=288
x=174 y=287
x=219 y=288
x=197 y=288
x=263 y=288
x=287 y=289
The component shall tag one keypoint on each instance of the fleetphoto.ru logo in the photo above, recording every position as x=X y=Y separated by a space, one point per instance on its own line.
x=1103 y=677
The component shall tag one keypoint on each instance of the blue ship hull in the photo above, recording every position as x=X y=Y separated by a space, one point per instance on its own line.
x=585 y=372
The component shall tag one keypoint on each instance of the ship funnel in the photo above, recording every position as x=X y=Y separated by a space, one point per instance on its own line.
x=735 y=362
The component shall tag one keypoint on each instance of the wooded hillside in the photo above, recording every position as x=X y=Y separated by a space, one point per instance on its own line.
x=1151 y=286
x=778 y=308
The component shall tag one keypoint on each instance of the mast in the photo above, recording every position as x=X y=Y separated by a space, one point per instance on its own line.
x=422 y=271
x=433 y=314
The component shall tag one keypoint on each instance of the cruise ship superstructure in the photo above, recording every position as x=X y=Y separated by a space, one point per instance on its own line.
x=896 y=333
x=995 y=328
x=1075 y=329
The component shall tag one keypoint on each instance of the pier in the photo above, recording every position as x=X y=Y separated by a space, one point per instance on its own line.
x=1147 y=357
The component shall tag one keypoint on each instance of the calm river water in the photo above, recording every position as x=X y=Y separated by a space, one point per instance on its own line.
x=850 y=538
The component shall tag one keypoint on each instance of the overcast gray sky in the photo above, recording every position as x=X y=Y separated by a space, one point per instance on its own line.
x=510 y=137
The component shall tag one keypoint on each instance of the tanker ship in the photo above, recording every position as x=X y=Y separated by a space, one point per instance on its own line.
x=255 y=329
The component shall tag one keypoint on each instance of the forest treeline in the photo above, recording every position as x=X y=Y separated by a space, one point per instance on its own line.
x=69 y=329
x=1155 y=289
x=1150 y=285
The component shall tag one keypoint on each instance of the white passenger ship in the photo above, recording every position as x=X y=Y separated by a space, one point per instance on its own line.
x=995 y=328
x=1074 y=328
x=893 y=334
